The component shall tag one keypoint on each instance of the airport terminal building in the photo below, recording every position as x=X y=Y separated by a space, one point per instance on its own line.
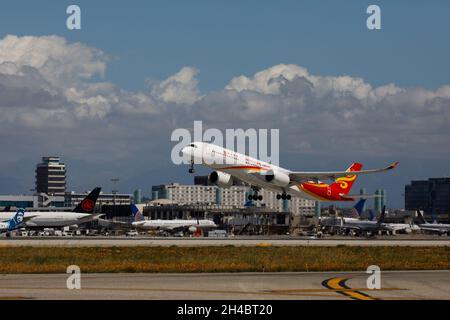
x=235 y=196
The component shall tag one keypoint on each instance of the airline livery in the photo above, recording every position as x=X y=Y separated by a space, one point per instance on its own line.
x=15 y=222
x=259 y=174
x=82 y=213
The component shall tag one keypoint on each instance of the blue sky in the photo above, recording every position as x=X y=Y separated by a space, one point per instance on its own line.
x=199 y=49
x=153 y=39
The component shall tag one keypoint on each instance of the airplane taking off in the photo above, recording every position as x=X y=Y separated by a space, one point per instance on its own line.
x=169 y=225
x=15 y=222
x=259 y=174
x=48 y=219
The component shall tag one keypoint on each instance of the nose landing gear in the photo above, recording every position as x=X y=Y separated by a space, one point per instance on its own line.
x=191 y=169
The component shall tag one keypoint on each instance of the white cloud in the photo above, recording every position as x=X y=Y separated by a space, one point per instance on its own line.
x=49 y=101
x=180 y=88
x=59 y=62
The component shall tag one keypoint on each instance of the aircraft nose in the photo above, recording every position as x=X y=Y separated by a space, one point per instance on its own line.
x=187 y=154
x=186 y=151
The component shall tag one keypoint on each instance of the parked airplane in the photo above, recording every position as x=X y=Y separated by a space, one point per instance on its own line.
x=49 y=219
x=392 y=227
x=169 y=225
x=439 y=228
x=15 y=222
x=365 y=226
x=258 y=174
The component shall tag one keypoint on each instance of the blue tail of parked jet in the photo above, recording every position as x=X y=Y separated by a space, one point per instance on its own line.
x=357 y=210
x=16 y=220
x=137 y=215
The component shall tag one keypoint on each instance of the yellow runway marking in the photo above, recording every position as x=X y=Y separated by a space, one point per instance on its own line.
x=339 y=285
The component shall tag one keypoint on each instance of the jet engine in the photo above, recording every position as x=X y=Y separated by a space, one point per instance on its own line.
x=278 y=178
x=221 y=179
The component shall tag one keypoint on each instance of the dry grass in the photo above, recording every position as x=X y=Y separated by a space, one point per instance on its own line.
x=220 y=259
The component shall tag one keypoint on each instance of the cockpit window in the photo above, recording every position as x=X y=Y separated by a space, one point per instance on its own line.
x=193 y=145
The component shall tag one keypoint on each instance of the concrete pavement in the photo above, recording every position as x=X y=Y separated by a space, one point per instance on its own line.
x=313 y=285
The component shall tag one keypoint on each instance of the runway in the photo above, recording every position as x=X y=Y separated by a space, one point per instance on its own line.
x=320 y=285
x=197 y=242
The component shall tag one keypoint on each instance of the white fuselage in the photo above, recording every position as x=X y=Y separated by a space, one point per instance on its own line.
x=49 y=218
x=241 y=166
x=435 y=227
x=159 y=224
x=405 y=227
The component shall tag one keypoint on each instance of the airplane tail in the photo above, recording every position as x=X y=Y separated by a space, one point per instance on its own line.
x=344 y=184
x=371 y=215
x=359 y=207
x=16 y=220
x=421 y=218
x=382 y=216
x=137 y=215
x=88 y=203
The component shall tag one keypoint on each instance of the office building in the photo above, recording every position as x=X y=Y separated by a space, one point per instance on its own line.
x=51 y=176
x=137 y=196
x=432 y=195
x=380 y=200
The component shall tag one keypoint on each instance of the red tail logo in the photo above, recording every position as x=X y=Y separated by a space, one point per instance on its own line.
x=344 y=184
x=87 y=205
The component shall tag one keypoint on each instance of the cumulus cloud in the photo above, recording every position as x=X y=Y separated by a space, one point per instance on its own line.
x=59 y=62
x=48 y=90
x=180 y=88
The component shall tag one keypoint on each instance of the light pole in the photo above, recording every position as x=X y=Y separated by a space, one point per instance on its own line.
x=114 y=192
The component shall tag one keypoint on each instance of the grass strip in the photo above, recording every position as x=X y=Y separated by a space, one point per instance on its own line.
x=220 y=259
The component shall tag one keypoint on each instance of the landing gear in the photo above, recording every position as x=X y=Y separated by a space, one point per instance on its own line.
x=191 y=169
x=255 y=196
x=284 y=196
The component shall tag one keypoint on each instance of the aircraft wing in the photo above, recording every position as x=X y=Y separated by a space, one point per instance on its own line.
x=177 y=228
x=90 y=218
x=25 y=219
x=332 y=175
x=359 y=196
x=431 y=229
x=28 y=218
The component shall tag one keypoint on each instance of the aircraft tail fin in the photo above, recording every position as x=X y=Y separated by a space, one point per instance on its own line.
x=421 y=218
x=344 y=184
x=371 y=215
x=137 y=215
x=87 y=205
x=382 y=215
x=359 y=206
x=17 y=219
